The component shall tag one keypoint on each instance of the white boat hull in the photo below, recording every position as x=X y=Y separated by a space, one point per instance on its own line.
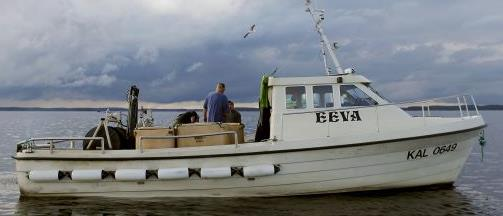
x=326 y=169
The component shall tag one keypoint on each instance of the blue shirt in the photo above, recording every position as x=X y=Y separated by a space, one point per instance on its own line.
x=216 y=105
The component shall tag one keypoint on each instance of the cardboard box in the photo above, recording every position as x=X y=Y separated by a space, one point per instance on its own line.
x=206 y=128
x=155 y=143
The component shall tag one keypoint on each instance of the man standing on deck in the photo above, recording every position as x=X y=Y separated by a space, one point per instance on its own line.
x=215 y=106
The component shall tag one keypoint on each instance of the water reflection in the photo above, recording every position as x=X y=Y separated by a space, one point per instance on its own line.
x=423 y=201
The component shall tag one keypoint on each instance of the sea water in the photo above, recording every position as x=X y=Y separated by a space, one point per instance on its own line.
x=478 y=190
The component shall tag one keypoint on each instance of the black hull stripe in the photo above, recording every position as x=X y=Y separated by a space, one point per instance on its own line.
x=252 y=153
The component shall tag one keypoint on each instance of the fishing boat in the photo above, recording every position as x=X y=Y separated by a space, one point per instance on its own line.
x=320 y=134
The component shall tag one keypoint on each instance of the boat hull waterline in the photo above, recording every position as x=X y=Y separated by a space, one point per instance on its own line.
x=421 y=161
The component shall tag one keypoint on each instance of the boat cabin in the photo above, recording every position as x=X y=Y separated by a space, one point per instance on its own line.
x=322 y=106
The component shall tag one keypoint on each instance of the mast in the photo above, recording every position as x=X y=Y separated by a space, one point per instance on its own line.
x=318 y=16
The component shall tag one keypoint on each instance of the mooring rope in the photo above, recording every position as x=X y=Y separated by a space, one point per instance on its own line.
x=482 y=142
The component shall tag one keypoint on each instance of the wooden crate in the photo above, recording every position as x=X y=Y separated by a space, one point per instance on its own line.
x=205 y=128
x=155 y=143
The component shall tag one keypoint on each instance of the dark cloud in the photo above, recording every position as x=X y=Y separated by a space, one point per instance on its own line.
x=178 y=50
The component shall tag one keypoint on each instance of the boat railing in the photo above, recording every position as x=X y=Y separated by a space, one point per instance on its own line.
x=465 y=105
x=50 y=143
x=188 y=136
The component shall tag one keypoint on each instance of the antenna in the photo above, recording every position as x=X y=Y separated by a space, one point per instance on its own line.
x=318 y=17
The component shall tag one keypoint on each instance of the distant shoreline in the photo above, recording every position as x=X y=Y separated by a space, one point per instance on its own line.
x=115 y=109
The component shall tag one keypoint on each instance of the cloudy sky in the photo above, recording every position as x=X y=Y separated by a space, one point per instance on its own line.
x=176 y=50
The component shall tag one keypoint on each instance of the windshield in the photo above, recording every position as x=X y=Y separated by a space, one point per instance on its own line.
x=375 y=91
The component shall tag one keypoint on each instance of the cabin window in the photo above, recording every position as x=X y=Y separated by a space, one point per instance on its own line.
x=353 y=96
x=296 y=97
x=323 y=96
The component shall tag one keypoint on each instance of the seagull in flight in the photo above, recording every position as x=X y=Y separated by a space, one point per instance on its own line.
x=252 y=29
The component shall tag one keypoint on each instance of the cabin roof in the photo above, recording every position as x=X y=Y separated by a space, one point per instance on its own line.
x=346 y=78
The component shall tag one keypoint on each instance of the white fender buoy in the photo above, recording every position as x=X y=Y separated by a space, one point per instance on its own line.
x=130 y=174
x=258 y=170
x=44 y=175
x=87 y=175
x=173 y=173
x=217 y=172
